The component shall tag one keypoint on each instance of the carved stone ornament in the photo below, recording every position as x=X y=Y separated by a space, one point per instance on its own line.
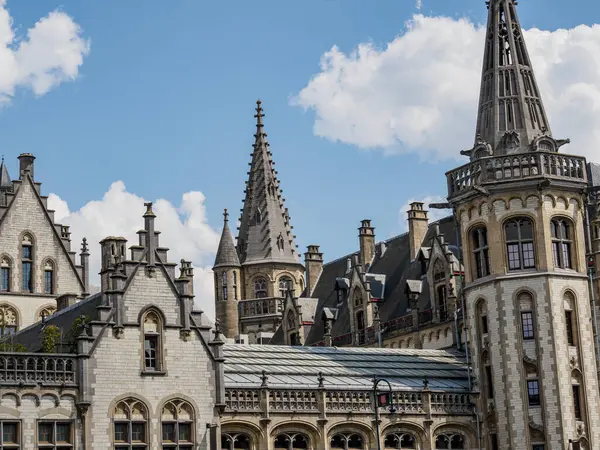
x=481 y=149
x=511 y=140
x=580 y=429
x=573 y=363
x=535 y=426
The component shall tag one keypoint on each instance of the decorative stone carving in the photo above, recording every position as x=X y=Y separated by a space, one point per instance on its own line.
x=511 y=141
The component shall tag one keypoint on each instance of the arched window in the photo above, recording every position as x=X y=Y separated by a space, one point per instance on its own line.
x=285 y=284
x=130 y=422
x=291 y=320
x=481 y=252
x=578 y=400
x=46 y=312
x=234 y=285
x=561 y=242
x=177 y=425
x=570 y=319
x=27 y=263
x=400 y=441
x=235 y=441
x=519 y=244
x=48 y=277
x=347 y=441
x=451 y=441
x=224 y=285
x=152 y=327
x=5 y=274
x=260 y=288
x=357 y=297
x=291 y=441
x=9 y=323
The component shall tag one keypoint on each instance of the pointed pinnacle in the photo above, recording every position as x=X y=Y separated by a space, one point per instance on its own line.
x=225 y=215
x=259 y=113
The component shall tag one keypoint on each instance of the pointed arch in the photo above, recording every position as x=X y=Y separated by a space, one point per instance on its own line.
x=152 y=325
x=6 y=273
x=130 y=420
x=178 y=425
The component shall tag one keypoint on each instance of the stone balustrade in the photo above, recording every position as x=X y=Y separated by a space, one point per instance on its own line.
x=34 y=368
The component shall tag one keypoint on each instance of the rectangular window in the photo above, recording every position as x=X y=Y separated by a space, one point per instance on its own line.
x=168 y=432
x=150 y=346
x=538 y=447
x=514 y=260
x=527 y=322
x=26 y=252
x=53 y=435
x=528 y=255
x=484 y=325
x=48 y=282
x=10 y=435
x=224 y=292
x=569 y=323
x=577 y=402
x=566 y=254
x=5 y=279
x=533 y=392
x=489 y=381
x=27 y=276
x=138 y=432
x=121 y=432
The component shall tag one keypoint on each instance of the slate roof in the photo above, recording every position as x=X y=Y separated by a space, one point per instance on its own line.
x=226 y=254
x=343 y=368
x=395 y=264
x=265 y=234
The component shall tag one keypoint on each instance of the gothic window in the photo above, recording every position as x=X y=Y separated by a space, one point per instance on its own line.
x=234 y=285
x=177 y=426
x=488 y=375
x=11 y=434
x=260 y=288
x=527 y=324
x=439 y=272
x=360 y=327
x=285 y=284
x=481 y=252
x=152 y=327
x=400 y=441
x=224 y=285
x=8 y=321
x=533 y=392
x=561 y=243
x=130 y=425
x=27 y=263
x=442 y=297
x=451 y=441
x=357 y=297
x=46 y=312
x=48 y=277
x=55 y=435
x=519 y=244
x=577 y=402
x=291 y=321
x=5 y=274
x=347 y=441
x=291 y=441
x=235 y=441
x=484 y=324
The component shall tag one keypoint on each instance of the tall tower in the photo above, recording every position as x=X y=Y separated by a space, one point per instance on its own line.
x=269 y=262
x=521 y=210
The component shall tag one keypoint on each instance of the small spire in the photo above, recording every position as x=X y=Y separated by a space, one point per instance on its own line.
x=259 y=114
x=149 y=212
x=225 y=216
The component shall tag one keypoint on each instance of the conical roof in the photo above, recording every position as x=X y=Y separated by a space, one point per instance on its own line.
x=265 y=233
x=4 y=177
x=226 y=254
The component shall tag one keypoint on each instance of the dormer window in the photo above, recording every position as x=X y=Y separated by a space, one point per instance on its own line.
x=481 y=252
x=27 y=263
x=439 y=273
x=561 y=243
x=519 y=244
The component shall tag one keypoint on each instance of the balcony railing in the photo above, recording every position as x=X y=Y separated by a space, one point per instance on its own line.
x=33 y=368
x=516 y=167
x=260 y=307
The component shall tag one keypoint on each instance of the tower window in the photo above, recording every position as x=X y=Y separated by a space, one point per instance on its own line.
x=27 y=263
x=561 y=243
x=285 y=285
x=484 y=325
x=527 y=322
x=224 y=285
x=569 y=324
x=533 y=392
x=489 y=380
x=48 y=278
x=234 y=286
x=260 y=288
x=481 y=252
x=519 y=244
x=5 y=274
x=577 y=402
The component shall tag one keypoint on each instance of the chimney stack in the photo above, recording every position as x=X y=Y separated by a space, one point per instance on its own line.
x=26 y=164
x=417 y=227
x=85 y=267
x=366 y=237
x=313 y=262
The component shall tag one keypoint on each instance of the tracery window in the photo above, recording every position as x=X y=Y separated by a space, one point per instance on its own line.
x=481 y=252
x=400 y=441
x=347 y=441
x=224 y=285
x=439 y=272
x=130 y=422
x=27 y=263
x=8 y=320
x=260 y=288
x=177 y=425
x=48 y=277
x=46 y=312
x=55 y=435
x=5 y=274
x=450 y=440
x=285 y=284
x=235 y=441
x=561 y=242
x=519 y=244
x=291 y=441
x=152 y=328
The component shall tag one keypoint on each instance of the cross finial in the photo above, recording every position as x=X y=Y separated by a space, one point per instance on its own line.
x=225 y=215
x=259 y=113
x=84 y=245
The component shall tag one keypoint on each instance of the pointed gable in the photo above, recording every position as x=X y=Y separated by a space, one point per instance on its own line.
x=265 y=233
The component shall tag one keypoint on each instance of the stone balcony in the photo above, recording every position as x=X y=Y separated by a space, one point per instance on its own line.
x=24 y=369
x=269 y=306
x=472 y=177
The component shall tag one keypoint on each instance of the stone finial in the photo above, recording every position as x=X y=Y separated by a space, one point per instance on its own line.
x=149 y=212
x=321 y=379
x=425 y=383
x=225 y=215
x=259 y=113
x=217 y=331
x=84 y=246
x=264 y=378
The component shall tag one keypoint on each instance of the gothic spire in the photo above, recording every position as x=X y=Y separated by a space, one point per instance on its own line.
x=4 y=177
x=511 y=116
x=265 y=233
x=226 y=254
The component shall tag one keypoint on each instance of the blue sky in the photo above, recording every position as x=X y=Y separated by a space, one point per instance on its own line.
x=164 y=101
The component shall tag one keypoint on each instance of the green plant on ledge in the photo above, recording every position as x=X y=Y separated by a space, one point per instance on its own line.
x=50 y=338
x=12 y=348
x=79 y=325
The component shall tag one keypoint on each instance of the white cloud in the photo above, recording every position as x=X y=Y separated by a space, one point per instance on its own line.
x=51 y=53
x=433 y=214
x=184 y=230
x=419 y=4
x=419 y=94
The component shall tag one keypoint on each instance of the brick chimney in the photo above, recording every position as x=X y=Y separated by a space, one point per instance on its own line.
x=366 y=238
x=417 y=227
x=313 y=263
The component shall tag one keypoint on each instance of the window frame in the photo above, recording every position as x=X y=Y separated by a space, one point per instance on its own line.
x=527 y=326
x=49 y=270
x=261 y=287
x=533 y=399
x=5 y=273
x=53 y=444
x=18 y=435
x=27 y=264
x=130 y=444
x=570 y=328
x=287 y=287
x=178 y=444
x=517 y=246
x=577 y=402
x=291 y=437
x=399 y=436
x=224 y=284
x=155 y=337
x=481 y=251
x=233 y=437
x=562 y=243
